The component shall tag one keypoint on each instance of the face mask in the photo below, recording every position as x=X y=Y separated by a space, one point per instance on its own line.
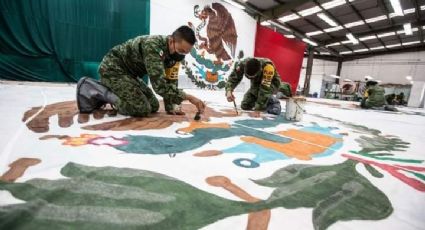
x=177 y=57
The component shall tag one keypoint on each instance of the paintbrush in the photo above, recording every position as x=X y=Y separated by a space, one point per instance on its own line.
x=236 y=108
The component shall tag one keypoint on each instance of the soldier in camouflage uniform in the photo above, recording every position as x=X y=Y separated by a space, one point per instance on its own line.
x=374 y=96
x=265 y=80
x=158 y=57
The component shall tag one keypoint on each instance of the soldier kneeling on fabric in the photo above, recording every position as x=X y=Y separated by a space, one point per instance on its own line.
x=264 y=82
x=374 y=96
x=153 y=55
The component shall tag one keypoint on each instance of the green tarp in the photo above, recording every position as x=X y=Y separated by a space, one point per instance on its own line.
x=63 y=40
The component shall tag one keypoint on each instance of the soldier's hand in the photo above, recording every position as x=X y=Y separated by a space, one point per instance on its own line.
x=196 y=102
x=230 y=97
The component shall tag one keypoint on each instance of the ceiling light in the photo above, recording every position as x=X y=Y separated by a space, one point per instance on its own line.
x=352 y=38
x=309 y=42
x=407 y=29
x=334 y=76
x=288 y=18
x=346 y=79
x=423 y=7
x=376 y=19
x=333 y=29
x=236 y=4
x=334 y=44
x=410 y=43
x=325 y=53
x=368 y=77
x=290 y=36
x=367 y=38
x=386 y=34
x=346 y=42
x=409 y=78
x=346 y=52
x=377 y=48
x=409 y=11
x=310 y=11
x=397 y=7
x=361 y=50
x=265 y=23
x=327 y=19
x=394 y=45
x=353 y=24
x=309 y=34
x=332 y=4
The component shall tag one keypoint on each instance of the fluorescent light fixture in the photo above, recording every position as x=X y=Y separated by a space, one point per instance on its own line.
x=409 y=11
x=386 y=34
x=280 y=26
x=334 y=44
x=410 y=43
x=354 y=24
x=332 y=4
x=290 y=36
x=403 y=32
x=409 y=78
x=334 y=76
x=397 y=7
x=423 y=7
x=376 y=19
x=265 y=23
x=333 y=29
x=407 y=29
x=346 y=79
x=367 y=38
x=310 y=11
x=361 y=50
x=377 y=48
x=346 y=52
x=379 y=81
x=327 y=19
x=309 y=34
x=235 y=4
x=288 y=18
x=325 y=53
x=352 y=39
x=309 y=42
x=346 y=42
x=368 y=77
x=394 y=45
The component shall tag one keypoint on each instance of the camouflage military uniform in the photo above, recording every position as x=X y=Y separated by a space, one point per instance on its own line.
x=374 y=97
x=262 y=87
x=122 y=66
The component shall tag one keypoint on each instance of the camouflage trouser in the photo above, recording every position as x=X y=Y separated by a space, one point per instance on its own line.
x=135 y=97
x=256 y=98
x=168 y=105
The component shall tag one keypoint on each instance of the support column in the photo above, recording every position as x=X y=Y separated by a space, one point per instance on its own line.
x=308 y=71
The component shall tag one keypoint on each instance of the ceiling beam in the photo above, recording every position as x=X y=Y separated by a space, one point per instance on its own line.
x=363 y=19
x=316 y=26
x=387 y=12
x=394 y=28
x=401 y=49
x=277 y=11
x=339 y=22
x=418 y=18
x=293 y=30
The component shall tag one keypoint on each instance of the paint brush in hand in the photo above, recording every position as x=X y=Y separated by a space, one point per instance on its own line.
x=236 y=108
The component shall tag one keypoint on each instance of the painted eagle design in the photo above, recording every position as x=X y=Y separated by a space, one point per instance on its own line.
x=221 y=31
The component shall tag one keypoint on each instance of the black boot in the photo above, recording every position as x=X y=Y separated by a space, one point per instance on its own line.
x=92 y=95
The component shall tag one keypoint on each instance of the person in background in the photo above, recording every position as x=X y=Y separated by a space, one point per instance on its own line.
x=373 y=96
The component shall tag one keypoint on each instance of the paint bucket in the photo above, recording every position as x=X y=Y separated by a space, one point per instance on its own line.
x=295 y=108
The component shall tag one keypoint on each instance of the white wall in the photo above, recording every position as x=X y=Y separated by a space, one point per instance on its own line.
x=321 y=70
x=391 y=68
